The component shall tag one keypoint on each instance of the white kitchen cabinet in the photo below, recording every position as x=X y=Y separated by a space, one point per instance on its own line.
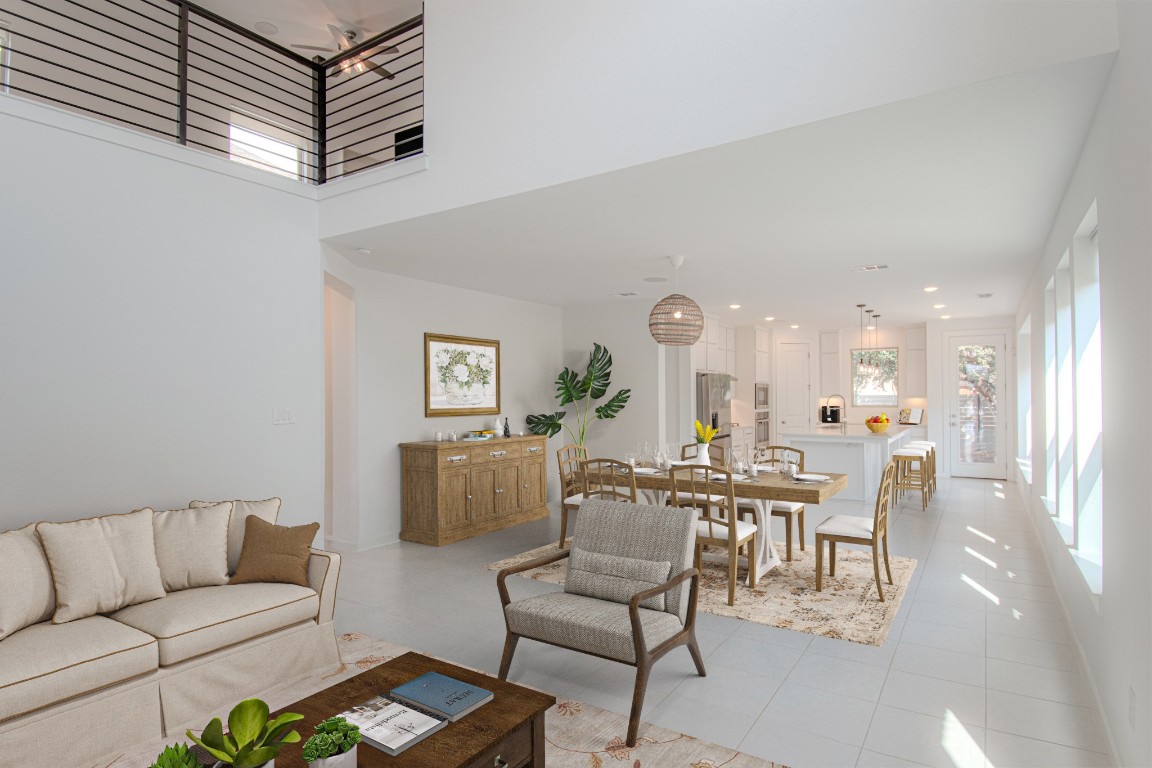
x=716 y=358
x=763 y=366
x=730 y=362
x=763 y=340
x=711 y=330
x=729 y=342
x=915 y=373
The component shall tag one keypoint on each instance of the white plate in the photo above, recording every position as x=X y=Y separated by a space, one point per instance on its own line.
x=766 y=468
x=808 y=478
x=646 y=470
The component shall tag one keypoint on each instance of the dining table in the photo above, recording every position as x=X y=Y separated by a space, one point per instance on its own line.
x=760 y=491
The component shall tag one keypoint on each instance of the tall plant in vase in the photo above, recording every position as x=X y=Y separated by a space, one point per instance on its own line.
x=572 y=388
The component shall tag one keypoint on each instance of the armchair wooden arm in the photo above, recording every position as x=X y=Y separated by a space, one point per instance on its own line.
x=513 y=569
x=639 y=597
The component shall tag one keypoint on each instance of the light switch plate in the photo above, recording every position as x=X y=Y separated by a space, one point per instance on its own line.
x=283 y=416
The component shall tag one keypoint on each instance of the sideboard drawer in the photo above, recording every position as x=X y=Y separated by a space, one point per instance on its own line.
x=460 y=458
x=496 y=452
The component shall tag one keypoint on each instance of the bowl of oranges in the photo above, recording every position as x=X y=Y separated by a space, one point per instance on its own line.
x=878 y=423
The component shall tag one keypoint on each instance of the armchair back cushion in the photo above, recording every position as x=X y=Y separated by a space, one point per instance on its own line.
x=27 y=596
x=641 y=542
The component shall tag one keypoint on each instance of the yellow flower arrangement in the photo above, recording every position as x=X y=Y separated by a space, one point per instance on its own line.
x=705 y=434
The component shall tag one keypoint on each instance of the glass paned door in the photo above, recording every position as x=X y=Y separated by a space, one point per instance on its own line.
x=977 y=417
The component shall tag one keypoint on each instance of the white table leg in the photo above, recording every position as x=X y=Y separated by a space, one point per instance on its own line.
x=655 y=497
x=765 y=550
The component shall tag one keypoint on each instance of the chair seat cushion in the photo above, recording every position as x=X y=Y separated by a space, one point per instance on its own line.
x=911 y=452
x=787 y=506
x=689 y=496
x=588 y=624
x=193 y=622
x=704 y=530
x=46 y=663
x=574 y=500
x=846 y=525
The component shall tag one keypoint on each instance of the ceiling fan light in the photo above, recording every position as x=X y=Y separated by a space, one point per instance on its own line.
x=676 y=321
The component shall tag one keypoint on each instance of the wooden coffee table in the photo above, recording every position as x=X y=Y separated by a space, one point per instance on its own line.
x=507 y=731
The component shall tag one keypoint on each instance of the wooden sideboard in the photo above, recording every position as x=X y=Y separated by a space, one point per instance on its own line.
x=453 y=491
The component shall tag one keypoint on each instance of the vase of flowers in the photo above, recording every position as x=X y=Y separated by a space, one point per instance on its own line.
x=464 y=374
x=704 y=435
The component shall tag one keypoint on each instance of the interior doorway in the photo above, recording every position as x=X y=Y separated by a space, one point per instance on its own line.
x=977 y=410
x=341 y=472
x=794 y=386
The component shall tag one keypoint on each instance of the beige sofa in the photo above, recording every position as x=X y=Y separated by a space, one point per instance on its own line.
x=75 y=691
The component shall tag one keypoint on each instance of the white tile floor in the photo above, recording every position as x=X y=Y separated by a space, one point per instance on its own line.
x=977 y=670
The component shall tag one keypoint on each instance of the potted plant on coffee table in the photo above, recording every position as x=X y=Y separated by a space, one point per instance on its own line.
x=333 y=745
x=252 y=741
x=176 y=756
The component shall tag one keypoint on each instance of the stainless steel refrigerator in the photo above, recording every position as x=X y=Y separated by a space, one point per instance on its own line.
x=714 y=405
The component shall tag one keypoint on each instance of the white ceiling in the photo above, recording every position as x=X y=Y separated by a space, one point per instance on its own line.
x=956 y=189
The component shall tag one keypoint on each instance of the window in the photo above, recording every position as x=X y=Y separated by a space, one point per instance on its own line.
x=5 y=57
x=874 y=376
x=261 y=151
x=1024 y=397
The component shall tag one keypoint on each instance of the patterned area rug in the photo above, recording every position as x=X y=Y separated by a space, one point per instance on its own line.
x=786 y=597
x=577 y=735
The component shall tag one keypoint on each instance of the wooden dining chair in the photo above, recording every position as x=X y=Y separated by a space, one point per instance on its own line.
x=851 y=529
x=712 y=494
x=791 y=511
x=607 y=479
x=715 y=453
x=569 y=458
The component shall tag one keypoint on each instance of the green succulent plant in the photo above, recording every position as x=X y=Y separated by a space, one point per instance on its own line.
x=176 y=756
x=334 y=736
x=252 y=739
x=581 y=391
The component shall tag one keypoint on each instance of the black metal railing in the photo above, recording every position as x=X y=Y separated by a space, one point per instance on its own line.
x=180 y=72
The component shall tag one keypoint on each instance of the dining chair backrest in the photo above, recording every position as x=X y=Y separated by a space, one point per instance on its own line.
x=710 y=491
x=715 y=453
x=884 y=496
x=608 y=479
x=569 y=458
x=776 y=455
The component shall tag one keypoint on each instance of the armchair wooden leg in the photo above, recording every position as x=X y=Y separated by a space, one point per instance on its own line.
x=563 y=525
x=697 y=658
x=642 y=669
x=506 y=659
x=819 y=562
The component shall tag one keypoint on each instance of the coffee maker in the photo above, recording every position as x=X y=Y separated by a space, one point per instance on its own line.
x=832 y=414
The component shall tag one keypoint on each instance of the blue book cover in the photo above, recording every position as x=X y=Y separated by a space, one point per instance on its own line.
x=441 y=694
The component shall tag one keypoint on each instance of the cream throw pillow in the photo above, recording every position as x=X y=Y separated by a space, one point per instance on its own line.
x=266 y=510
x=101 y=564
x=27 y=596
x=192 y=546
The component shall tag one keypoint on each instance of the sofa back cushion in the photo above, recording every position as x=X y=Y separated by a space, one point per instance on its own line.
x=275 y=553
x=266 y=510
x=101 y=564
x=192 y=546
x=27 y=596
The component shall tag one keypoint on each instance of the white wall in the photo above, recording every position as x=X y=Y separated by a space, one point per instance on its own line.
x=152 y=315
x=392 y=315
x=1114 y=631
x=522 y=94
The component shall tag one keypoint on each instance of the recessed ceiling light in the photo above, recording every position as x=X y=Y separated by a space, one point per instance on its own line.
x=733 y=306
x=945 y=317
x=932 y=289
x=869 y=268
x=655 y=279
x=627 y=293
x=983 y=295
x=365 y=251
x=793 y=327
x=265 y=28
x=939 y=306
x=769 y=319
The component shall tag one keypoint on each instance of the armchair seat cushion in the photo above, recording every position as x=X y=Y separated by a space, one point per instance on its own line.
x=846 y=525
x=196 y=621
x=47 y=663
x=588 y=624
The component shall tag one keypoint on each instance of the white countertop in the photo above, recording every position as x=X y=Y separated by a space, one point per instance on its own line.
x=845 y=432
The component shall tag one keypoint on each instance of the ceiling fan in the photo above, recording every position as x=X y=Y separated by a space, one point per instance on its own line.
x=346 y=39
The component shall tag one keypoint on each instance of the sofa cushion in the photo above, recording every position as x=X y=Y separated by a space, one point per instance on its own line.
x=27 y=596
x=201 y=620
x=101 y=564
x=588 y=624
x=47 y=663
x=275 y=553
x=192 y=546
x=267 y=510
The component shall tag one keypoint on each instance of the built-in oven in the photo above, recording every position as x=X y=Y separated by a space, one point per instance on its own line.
x=763 y=430
x=762 y=397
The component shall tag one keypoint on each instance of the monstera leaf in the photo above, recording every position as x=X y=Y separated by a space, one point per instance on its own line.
x=572 y=388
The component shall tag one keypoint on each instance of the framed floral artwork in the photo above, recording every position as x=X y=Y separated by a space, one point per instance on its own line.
x=461 y=375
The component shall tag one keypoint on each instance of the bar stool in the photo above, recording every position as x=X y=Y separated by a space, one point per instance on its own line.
x=929 y=446
x=912 y=472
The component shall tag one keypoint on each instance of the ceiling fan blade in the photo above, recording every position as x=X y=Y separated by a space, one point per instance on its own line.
x=390 y=50
x=376 y=69
x=341 y=38
x=313 y=48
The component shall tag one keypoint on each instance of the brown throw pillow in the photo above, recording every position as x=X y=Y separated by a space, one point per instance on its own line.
x=275 y=553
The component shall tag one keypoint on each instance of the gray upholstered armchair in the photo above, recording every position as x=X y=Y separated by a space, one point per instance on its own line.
x=630 y=594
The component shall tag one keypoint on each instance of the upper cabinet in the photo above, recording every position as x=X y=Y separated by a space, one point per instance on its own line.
x=916 y=364
x=715 y=352
x=829 y=363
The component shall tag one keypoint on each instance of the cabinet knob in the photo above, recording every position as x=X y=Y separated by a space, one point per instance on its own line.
x=499 y=490
x=469 y=497
x=499 y=762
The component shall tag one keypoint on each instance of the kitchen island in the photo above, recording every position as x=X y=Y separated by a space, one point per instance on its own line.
x=851 y=449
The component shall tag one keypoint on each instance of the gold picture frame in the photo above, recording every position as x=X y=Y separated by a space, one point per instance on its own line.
x=461 y=375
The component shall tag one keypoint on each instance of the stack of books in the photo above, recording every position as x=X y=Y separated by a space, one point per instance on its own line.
x=414 y=711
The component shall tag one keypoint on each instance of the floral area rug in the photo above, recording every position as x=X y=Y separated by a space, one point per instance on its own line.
x=576 y=735
x=786 y=597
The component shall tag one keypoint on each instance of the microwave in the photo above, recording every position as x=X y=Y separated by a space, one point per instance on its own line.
x=762 y=397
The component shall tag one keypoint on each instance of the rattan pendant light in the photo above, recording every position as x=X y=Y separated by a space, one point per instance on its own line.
x=676 y=320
